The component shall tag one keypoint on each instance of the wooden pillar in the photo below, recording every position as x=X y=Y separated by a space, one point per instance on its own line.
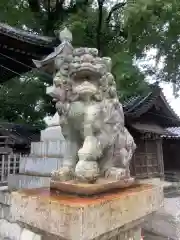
x=160 y=157
x=146 y=157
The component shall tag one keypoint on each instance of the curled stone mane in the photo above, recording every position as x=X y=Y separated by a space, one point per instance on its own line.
x=88 y=65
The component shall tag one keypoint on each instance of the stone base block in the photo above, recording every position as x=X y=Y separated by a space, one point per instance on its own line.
x=19 y=181
x=52 y=133
x=48 y=149
x=71 y=217
x=39 y=165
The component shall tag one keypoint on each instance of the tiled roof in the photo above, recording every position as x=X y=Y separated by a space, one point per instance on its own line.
x=136 y=106
x=131 y=101
x=174 y=131
x=18 y=48
x=25 y=36
x=151 y=128
x=21 y=134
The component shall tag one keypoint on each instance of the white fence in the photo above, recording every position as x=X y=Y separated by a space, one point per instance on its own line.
x=9 y=164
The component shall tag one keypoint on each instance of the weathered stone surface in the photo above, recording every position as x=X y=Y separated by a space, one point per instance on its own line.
x=90 y=114
x=27 y=235
x=102 y=185
x=39 y=165
x=76 y=218
x=48 y=148
x=19 y=181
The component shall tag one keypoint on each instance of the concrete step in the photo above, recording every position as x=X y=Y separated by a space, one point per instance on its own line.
x=39 y=165
x=53 y=148
x=19 y=181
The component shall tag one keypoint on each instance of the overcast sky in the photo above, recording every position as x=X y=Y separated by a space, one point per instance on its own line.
x=167 y=87
x=174 y=102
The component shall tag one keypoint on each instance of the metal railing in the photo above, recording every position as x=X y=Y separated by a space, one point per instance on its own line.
x=9 y=164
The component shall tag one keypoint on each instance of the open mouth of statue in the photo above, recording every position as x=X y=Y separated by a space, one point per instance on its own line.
x=84 y=72
x=86 y=88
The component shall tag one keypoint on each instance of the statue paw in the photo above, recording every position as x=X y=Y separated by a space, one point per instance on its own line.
x=116 y=173
x=63 y=174
x=87 y=171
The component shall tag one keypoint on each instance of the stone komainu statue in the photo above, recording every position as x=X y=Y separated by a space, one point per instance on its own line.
x=91 y=117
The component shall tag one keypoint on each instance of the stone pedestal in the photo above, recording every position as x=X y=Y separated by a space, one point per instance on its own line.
x=45 y=157
x=114 y=215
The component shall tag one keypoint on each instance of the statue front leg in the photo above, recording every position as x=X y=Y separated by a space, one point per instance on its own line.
x=87 y=168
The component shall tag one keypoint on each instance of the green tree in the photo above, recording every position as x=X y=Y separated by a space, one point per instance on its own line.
x=136 y=26
x=22 y=100
x=122 y=30
x=130 y=80
x=155 y=24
